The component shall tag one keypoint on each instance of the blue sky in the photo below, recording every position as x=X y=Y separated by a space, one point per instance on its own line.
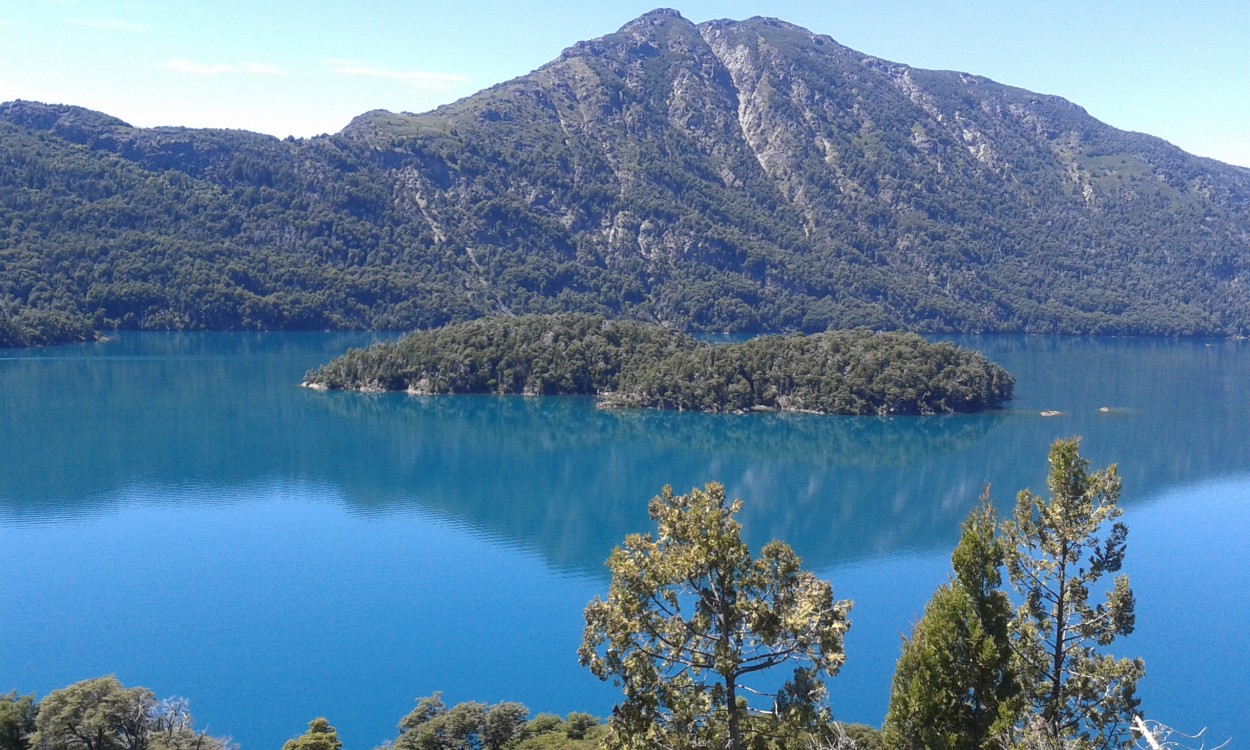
x=1180 y=71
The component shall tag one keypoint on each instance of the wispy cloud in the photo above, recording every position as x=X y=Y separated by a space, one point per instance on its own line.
x=105 y=24
x=217 y=69
x=418 y=79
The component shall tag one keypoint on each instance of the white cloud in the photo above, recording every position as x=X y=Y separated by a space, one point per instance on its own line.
x=418 y=79
x=105 y=24
x=205 y=69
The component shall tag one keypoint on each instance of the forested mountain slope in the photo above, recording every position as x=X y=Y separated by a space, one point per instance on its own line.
x=726 y=176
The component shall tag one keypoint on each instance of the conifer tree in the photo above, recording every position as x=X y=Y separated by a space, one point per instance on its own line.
x=691 y=618
x=1057 y=555
x=955 y=687
x=17 y=720
x=319 y=736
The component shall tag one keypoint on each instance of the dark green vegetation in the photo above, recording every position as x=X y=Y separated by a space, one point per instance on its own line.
x=432 y=725
x=319 y=736
x=17 y=720
x=730 y=176
x=100 y=714
x=632 y=364
x=974 y=676
x=29 y=326
x=955 y=686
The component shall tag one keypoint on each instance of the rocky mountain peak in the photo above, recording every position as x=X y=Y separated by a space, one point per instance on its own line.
x=656 y=17
x=644 y=36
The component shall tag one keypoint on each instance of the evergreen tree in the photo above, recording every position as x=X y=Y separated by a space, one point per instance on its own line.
x=320 y=736
x=1056 y=556
x=17 y=720
x=465 y=726
x=691 y=617
x=955 y=687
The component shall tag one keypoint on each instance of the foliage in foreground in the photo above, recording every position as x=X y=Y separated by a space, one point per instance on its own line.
x=974 y=675
x=319 y=736
x=1058 y=550
x=100 y=714
x=692 y=621
x=955 y=686
x=630 y=364
x=472 y=725
x=17 y=720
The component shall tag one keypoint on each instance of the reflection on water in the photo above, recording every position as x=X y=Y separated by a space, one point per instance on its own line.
x=121 y=456
x=221 y=411
x=552 y=474
x=545 y=472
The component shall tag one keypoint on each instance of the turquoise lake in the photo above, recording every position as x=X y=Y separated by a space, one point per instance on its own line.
x=174 y=510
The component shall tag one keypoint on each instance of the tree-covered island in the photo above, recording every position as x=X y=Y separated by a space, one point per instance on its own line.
x=640 y=365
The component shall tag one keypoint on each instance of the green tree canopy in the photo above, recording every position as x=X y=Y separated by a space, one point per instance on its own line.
x=466 y=726
x=955 y=687
x=577 y=731
x=690 y=618
x=96 y=714
x=640 y=365
x=17 y=720
x=1058 y=550
x=319 y=736
x=100 y=714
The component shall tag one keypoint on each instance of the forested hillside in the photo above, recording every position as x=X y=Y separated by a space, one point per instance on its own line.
x=726 y=176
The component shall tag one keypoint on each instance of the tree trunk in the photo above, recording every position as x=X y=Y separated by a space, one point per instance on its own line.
x=1056 y=675
x=731 y=705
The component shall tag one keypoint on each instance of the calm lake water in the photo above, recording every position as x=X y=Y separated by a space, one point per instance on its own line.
x=175 y=511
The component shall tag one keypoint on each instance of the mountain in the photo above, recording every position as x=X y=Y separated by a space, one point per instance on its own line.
x=725 y=176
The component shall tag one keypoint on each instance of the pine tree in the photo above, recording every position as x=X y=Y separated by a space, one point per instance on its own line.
x=955 y=687
x=691 y=618
x=319 y=736
x=1056 y=557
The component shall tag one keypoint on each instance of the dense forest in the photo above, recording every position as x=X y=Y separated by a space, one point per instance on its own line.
x=29 y=326
x=728 y=176
x=629 y=364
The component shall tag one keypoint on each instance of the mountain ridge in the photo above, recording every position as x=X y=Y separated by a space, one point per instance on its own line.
x=729 y=175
